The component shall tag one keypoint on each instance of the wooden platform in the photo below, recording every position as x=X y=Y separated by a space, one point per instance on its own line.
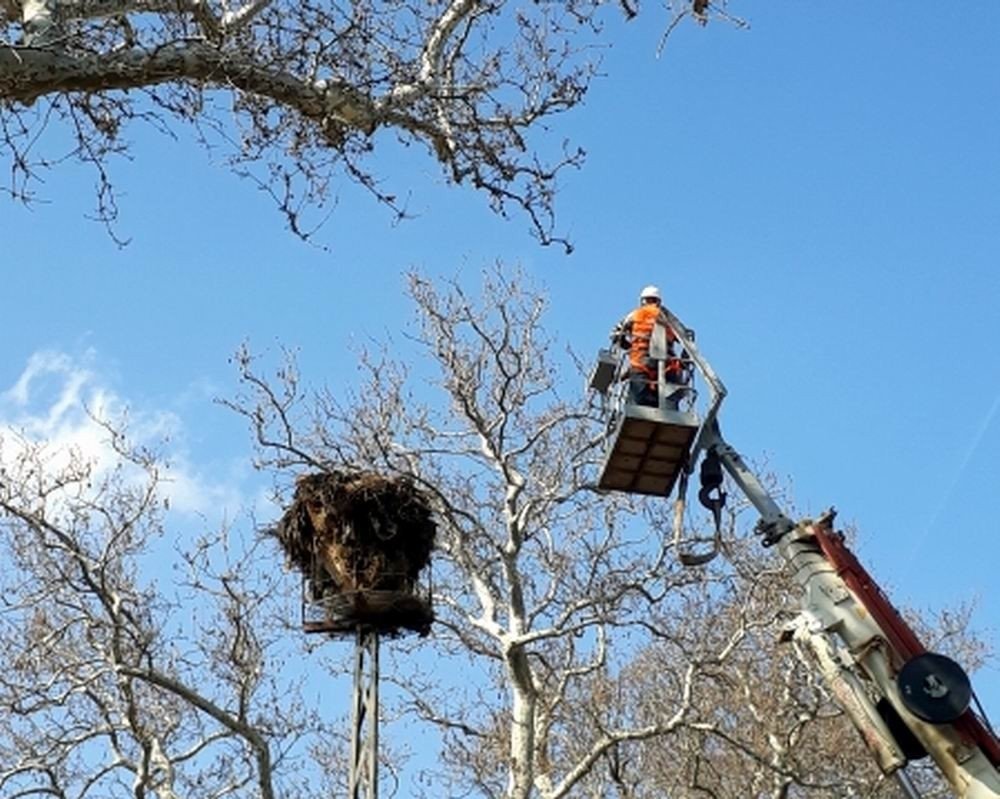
x=649 y=449
x=387 y=612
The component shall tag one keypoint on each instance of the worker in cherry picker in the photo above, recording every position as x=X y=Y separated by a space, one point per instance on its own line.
x=633 y=333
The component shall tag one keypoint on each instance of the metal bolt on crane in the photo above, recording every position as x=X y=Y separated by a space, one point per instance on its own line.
x=907 y=703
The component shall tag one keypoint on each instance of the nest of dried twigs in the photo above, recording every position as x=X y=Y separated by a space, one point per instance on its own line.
x=364 y=530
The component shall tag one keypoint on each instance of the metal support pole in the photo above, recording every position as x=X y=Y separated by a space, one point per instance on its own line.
x=363 y=779
x=906 y=784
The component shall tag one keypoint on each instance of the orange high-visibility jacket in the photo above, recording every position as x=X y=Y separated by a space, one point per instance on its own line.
x=639 y=324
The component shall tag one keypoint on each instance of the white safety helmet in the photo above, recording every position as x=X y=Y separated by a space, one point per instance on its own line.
x=650 y=293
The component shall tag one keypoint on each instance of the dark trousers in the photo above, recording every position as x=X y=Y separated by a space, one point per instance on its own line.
x=642 y=390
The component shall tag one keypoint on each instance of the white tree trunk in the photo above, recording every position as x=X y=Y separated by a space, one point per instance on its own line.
x=524 y=698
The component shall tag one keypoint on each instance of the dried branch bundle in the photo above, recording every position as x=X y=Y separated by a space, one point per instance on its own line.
x=368 y=531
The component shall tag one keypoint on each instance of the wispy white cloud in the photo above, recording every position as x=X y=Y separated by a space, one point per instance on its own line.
x=66 y=405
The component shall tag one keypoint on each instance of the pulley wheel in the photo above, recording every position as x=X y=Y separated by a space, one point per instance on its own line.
x=934 y=688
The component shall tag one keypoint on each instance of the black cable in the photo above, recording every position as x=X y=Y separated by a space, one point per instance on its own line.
x=982 y=714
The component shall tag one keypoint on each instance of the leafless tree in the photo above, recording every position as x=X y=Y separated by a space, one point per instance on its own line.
x=119 y=677
x=297 y=94
x=540 y=580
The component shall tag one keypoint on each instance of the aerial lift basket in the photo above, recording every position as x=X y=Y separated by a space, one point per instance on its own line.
x=650 y=447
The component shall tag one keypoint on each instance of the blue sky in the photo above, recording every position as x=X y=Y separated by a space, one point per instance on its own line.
x=817 y=196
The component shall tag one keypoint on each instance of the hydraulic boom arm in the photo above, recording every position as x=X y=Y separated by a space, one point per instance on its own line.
x=906 y=702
